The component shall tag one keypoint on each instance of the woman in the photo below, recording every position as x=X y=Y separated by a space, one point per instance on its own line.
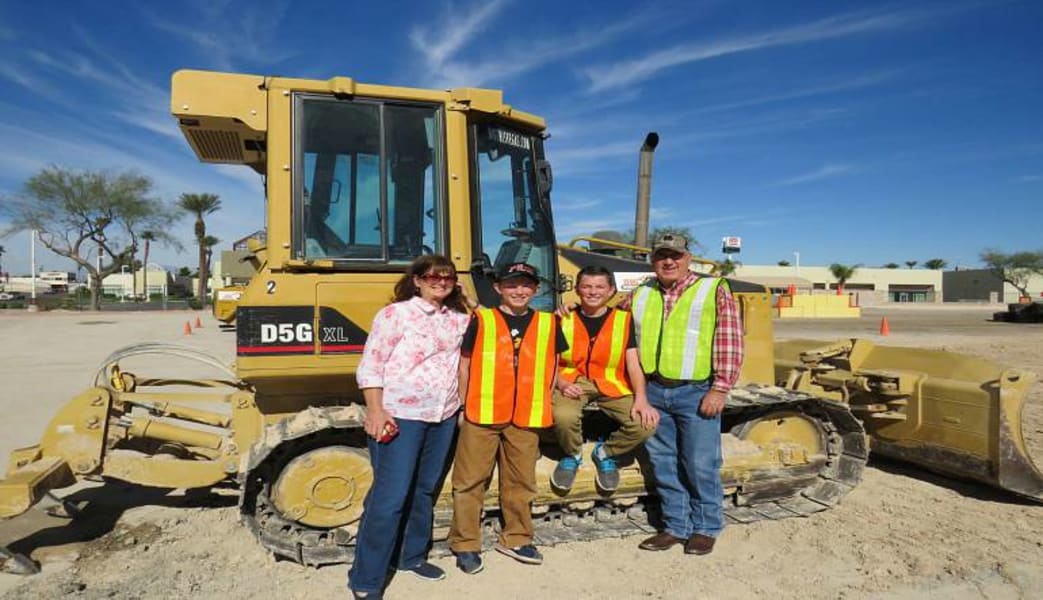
x=408 y=377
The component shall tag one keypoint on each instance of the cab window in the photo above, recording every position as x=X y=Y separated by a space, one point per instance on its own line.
x=368 y=184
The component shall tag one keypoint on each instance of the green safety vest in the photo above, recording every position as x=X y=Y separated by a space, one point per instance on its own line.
x=682 y=347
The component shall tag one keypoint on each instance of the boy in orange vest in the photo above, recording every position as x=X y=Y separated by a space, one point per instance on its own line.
x=601 y=364
x=508 y=364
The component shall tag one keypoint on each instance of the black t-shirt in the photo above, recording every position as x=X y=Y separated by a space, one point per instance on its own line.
x=594 y=324
x=517 y=325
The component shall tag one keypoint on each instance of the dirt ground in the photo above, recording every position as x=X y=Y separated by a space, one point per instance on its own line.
x=903 y=533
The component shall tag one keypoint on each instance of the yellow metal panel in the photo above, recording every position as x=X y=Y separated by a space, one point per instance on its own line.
x=225 y=95
x=168 y=473
x=280 y=181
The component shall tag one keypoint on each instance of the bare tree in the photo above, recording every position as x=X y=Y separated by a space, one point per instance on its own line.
x=201 y=205
x=1016 y=268
x=75 y=212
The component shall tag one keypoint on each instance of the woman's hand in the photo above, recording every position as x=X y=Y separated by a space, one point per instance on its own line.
x=376 y=420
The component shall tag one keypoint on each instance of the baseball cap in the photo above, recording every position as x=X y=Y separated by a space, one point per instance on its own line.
x=670 y=241
x=518 y=270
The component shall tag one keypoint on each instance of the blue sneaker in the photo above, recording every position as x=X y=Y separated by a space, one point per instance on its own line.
x=527 y=554
x=607 y=473
x=426 y=571
x=469 y=562
x=565 y=473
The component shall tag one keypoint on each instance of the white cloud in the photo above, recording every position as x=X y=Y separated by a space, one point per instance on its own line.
x=636 y=70
x=1029 y=178
x=225 y=35
x=443 y=69
x=823 y=172
x=439 y=44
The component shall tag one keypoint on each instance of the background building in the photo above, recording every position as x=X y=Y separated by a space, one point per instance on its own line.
x=873 y=286
x=982 y=285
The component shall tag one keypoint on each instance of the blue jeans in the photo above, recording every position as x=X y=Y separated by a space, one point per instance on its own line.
x=685 y=451
x=400 y=505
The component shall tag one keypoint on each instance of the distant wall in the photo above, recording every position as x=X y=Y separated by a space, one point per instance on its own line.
x=972 y=285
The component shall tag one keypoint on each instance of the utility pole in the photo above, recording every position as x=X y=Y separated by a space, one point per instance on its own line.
x=32 y=267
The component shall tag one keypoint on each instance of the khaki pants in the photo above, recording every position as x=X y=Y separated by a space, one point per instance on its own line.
x=568 y=417
x=477 y=450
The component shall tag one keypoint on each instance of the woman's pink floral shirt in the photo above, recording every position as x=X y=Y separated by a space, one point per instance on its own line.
x=412 y=352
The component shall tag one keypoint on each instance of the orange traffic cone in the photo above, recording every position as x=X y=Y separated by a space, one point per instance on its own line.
x=188 y=328
x=198 y=322
x=885 y=329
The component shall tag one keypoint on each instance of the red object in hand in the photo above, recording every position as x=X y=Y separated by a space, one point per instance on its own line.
x=388 y=433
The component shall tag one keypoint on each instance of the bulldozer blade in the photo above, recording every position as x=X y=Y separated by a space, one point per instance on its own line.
x=17 y=564
x=955 y=414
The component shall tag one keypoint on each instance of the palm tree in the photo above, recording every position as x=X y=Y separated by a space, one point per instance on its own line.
x=783 y=263
x=842 y=273
x=891 y=265
x=935 y=264
x=911 y=263
x=209 y=241
x=725 y=268
x=200 y=205
x=148 y=236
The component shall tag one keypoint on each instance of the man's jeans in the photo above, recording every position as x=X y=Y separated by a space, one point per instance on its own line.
x=400 y=505
x=686 y=461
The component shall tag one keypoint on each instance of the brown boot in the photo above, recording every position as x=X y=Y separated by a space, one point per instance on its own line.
x=699 y=544
x=660 y=541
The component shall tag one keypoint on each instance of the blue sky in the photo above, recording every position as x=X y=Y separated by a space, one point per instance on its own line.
x=852 y=132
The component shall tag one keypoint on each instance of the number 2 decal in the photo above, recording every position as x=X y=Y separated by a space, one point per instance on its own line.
x=270 y=286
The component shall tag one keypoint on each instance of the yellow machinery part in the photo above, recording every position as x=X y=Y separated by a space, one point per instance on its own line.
x=952 y=413
x=324 y=487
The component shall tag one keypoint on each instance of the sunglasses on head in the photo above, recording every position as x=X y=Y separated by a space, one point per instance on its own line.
x=436 y=278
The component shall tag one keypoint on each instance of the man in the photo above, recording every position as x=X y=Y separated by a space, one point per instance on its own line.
x=508 y=364
x=691 y=348
x=600 y=364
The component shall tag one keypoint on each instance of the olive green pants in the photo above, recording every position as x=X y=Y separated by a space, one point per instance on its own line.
x=568 y=420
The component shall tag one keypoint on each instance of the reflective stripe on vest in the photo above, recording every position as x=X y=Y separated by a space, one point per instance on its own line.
x=606 y=362
x=682 y=347
x=497 y=392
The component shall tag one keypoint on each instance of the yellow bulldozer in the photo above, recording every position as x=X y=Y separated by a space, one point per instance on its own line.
x=360 y=179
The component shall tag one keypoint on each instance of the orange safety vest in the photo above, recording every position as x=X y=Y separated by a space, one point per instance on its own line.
x=602 y=361
x=497 y=391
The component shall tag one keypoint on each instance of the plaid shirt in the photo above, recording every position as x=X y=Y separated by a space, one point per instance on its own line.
x=727 y=337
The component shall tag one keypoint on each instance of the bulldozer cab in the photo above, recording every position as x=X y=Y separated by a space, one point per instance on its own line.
x=360 y=180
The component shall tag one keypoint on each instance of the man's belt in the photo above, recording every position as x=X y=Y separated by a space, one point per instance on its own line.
x=667 y=382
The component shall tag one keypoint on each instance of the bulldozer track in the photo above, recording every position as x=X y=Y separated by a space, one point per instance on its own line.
x=792 y=492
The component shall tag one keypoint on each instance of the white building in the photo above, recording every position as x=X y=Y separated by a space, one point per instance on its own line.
x=128 y=284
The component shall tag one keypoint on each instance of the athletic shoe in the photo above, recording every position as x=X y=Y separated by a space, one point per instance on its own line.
x=527 y=554
x=607 y=474
x=426 y=571
x=565 y=473
x=469 y=562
